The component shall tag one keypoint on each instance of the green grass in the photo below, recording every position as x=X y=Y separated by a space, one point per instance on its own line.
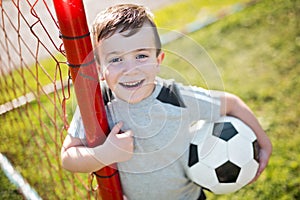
x=34 y=132
x=7 y=190
x=176 y=15
x=30 y=78
x=255 y=52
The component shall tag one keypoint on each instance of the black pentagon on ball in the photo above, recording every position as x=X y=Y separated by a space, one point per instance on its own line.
x=193 y=155
x=227 y=172
x=224 y=130
x=256 y=150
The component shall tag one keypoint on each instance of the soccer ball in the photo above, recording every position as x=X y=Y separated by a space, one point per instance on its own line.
x=223 y=155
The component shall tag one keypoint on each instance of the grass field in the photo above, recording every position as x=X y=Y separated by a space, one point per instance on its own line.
x=256 y=52
x=7 y=190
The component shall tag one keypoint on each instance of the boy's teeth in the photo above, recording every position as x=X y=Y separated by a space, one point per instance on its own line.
x=131 y=84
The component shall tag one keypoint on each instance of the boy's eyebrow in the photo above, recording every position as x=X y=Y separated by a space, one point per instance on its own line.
x=123 y=53
x=114 y=52
x=143 y=49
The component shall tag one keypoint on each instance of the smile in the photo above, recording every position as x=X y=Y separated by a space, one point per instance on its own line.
x=132 y=84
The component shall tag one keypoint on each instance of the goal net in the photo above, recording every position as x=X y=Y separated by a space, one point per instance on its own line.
x=35 y=101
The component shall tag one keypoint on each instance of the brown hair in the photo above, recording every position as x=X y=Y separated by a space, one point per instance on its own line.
x=121 y=18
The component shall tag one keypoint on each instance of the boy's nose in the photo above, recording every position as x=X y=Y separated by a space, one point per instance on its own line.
x=129 y=67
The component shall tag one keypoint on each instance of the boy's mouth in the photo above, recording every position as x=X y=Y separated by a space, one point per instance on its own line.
x=132 y=84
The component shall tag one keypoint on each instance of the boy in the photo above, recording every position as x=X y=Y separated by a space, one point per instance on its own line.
x=155 y=115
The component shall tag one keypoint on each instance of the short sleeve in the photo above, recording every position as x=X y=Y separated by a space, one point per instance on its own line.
x=201 y=103
x=76 y=128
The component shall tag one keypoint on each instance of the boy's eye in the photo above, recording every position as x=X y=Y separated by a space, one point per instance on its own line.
x=114 y=60
x=141 y=56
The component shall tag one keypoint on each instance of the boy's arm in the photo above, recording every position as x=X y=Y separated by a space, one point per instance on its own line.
x=233 y=106
x=77 y=157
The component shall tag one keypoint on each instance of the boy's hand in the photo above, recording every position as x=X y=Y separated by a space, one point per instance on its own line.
x=119 y=145
x=233 y=106
x=264 y=156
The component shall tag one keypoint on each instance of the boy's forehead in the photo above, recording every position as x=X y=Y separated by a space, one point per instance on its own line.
x=119 y=42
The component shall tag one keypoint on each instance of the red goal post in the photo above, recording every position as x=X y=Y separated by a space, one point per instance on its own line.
x=77 y=43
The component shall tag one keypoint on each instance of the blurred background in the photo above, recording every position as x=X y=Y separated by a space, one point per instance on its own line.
x=250 y=47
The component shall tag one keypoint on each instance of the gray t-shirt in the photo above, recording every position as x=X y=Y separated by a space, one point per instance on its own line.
x=163 y=125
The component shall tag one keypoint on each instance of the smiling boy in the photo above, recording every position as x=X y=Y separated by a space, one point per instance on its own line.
x=130 y=64
x=155 y=115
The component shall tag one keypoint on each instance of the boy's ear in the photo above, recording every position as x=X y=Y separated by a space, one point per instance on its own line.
x=101 y=76
x=160 y=57
x=100 y=73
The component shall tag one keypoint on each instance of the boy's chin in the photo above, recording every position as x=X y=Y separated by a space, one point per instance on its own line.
x=138 y=95
x=134 y=100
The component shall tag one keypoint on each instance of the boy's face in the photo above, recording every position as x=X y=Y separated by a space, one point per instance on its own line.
x=129 y=64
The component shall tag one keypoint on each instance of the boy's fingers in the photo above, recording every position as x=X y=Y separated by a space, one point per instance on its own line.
x=116 y=129
x=129 y=133
x=125 y=134
x=262 y=166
